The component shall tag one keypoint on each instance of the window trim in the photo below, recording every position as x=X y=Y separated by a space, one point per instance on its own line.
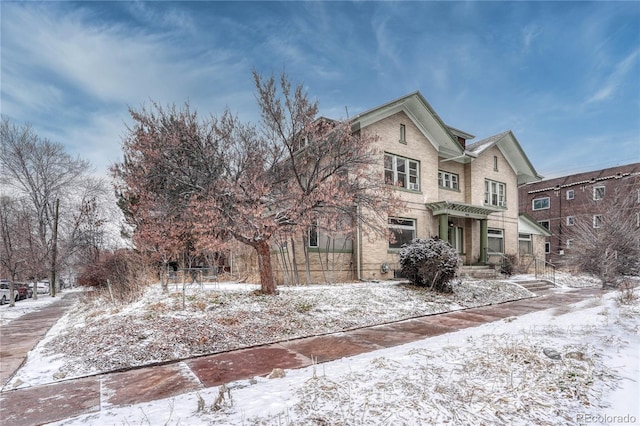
x=570 y=220
x=313 y=230
x=498 y=233
x=533 y=203
x=547 y=247
x=402 y=227
x=573 y=194
x=442 y=174
x=528 y=238
x=489 y=195
x=403 y=133
x=595 y=192
x=547 y=221
x=597 y=221
x=408 y=162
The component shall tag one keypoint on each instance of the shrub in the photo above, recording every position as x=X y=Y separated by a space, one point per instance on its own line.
x=429 y=262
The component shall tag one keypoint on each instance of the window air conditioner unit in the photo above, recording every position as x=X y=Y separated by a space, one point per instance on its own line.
x=413 y=186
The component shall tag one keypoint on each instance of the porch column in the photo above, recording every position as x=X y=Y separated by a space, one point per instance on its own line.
x=484 y=241
x=443 y=228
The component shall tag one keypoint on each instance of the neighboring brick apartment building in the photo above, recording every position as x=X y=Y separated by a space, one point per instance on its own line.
x=464 y=193
x=557 y=204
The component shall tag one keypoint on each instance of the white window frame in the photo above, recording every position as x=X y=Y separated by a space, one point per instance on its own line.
x=495 y=193
x=496 y=234
x=547 y=226
x=596 y=192
x=570 y=194
x=597 y=221
x=544 y=207
x=411 y=172
x=569 y=242
x=403 y=133
x=448 y=180
x=547 y=247
x=571 y=220
x=403 y=224
x=526 y=238
x=313 y=231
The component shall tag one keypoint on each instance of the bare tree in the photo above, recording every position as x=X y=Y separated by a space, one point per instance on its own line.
x=606 y=244
x=221 y=178
x=42 y=172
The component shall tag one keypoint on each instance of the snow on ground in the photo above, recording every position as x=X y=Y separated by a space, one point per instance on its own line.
x=97 y=336
x=574 y=365
x=22 y=307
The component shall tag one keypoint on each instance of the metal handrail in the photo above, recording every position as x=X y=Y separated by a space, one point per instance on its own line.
x=545 y=270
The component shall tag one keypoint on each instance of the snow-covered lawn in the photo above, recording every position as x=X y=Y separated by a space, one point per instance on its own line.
x=576 y=365
x=571 y=366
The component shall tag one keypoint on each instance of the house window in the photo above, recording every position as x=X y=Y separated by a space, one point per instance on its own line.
x=448 y=180
x=541 y=203
x=496 y=240
x=545 y=224
x=401 y=172
x=598 y=192
x=597 y=220
x=525 y=244
x=403 y=133
x=495 y=163
x=571 y=220
x=547 y=247
x=402 y=231
x=313 y=235
x=570 y=194
x=495 y=193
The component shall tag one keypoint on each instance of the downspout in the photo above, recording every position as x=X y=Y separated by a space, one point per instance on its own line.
x=358 y=272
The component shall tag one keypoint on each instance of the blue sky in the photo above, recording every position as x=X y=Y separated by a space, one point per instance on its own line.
x=563 y=76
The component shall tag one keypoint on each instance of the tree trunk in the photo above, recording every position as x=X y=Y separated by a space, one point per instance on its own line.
x=267 y=281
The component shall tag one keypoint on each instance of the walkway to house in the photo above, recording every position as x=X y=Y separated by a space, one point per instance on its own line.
x=57 y=401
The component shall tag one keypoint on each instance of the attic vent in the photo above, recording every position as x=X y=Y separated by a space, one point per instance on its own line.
x=592 y=180
x=618 y=175
x=557 y=187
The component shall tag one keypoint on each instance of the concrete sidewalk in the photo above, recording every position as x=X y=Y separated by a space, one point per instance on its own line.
x=58 y=401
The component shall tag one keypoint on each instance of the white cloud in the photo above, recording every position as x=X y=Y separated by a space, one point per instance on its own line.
x=612 y=83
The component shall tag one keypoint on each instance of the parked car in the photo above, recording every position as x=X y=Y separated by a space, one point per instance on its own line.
x=42 y=286
x=4 y=296
x=4 y=284
x=25 y=288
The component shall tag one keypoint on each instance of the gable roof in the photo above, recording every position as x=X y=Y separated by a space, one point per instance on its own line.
x=528 y=225
x=509 y=146
x=416 y=107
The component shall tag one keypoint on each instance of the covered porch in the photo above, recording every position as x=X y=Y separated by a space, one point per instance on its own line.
x=465 y=227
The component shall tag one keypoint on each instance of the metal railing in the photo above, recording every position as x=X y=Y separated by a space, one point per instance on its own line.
x=545 y=270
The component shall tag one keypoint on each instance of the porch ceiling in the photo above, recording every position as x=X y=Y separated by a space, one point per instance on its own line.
x=456 y=209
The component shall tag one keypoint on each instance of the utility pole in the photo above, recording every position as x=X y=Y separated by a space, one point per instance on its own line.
x=54 y=252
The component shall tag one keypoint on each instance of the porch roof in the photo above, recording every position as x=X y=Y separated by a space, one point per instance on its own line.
x=456 y=209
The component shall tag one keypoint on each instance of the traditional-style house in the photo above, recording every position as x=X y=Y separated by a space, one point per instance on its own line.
x=465 y=193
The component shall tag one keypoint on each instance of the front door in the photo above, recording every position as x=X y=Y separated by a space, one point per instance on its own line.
x=455 y=238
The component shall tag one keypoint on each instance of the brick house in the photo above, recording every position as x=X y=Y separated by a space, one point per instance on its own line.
x=465 y=193
x=559 y=203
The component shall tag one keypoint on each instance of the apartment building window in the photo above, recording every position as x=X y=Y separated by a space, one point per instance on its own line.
x=448 y=180
x=525 y=244
x=495 y=193
x=597 y=220
x=313 y=234
x=547 y=247
x=402 y=172
x=541 y=203
x=545 y=224
x=571 y=220
x=598 y=192
x=570 y=194
x=402 y=230
x=495 y=240
x=403 y=133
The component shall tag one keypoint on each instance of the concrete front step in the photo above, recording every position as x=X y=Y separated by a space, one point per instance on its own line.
x=535 y=285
